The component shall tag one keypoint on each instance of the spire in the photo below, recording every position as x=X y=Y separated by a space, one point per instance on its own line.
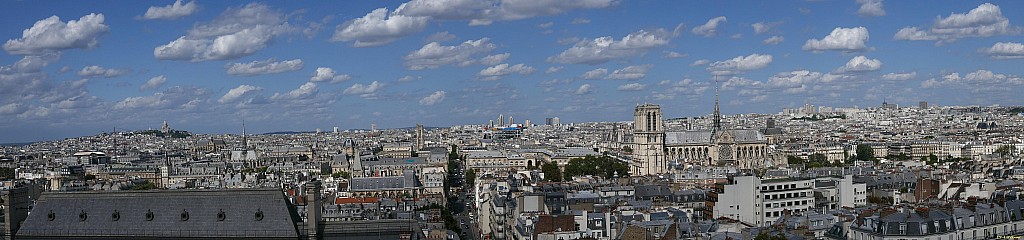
x=245 y=142
x=717 y=117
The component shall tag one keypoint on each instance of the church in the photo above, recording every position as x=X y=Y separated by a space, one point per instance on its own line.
x=657 y=151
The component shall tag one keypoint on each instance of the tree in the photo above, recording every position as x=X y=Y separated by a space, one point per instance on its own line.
x=865 y=153
x=604 y=166
x=470 y=177
x=1004 y=150
x=627 y=149
x=341 y=174
x=6 y=173
x=794 y=159
x=147 y=185
x=551 y=172
x=764 y=236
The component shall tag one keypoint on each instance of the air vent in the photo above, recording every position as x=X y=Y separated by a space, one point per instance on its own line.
x=184 y=215
x=82 y=216
x=221 y=216
x=115 y=216
x=149 y=215
x=51 y=216
x=259 y=215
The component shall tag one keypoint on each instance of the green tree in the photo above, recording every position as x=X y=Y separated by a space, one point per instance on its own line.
x=764 y=236
x=1004 y=150
x=551 y=172
x=865 y=153
x=470 y=177
x=6 y=173
x=794 y=160
x=147 y=185
x=627 y=149
x=341 y=174
x=604 y=166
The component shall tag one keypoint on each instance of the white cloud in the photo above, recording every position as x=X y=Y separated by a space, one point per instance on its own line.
x=486 y=12
x=580 y=21
x=546 y=25
x=709 y=29
x=595 y=74
x=899 y=76
x=440 y=37
x=763 y=27
x=97 y=71
x=153 y=83
x=986 y=20
x=1005 y=50
x=239 y=93
x=584 y=89
x=433 y=98
x=495 y=59
x=34 y=63
x=977 y=82
x=364 y=90
x=173 y=98
x=173 y=11
x=630 y=73
x=841 y=39
x=52 y=35
x=668 y=89
x=700 y=62
x=235 y=33
x=268 y=66
x=553 y=69
x=604 y=49
x=871 y=8
x=673 y=54
x=378 y=28
x=434 y=55
x=774 y=40
x=501 y=70
x=305 y=91
x=632 y=87
x=326 y=74
x=408 y=78
x=860 y=64
x=740 y=64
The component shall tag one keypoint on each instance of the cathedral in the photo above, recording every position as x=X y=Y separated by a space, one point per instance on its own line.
x=658 y=151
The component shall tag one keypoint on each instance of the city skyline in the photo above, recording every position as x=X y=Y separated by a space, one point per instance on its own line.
x=76 y=68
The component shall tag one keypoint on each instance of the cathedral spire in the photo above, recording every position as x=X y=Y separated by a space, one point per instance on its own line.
x=245 y=142
x=717 y=117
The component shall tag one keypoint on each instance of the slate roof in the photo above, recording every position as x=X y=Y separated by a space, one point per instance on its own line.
x=704 y=137
x=406 y=181
x=176 y=214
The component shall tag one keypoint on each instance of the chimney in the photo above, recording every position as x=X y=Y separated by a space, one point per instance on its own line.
x=313 y=206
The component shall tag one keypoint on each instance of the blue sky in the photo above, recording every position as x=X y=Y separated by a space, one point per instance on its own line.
x=73 y=68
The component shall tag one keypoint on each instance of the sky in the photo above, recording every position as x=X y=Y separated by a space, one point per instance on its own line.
x=72 y=68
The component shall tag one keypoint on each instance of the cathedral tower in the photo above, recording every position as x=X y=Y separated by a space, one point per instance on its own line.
x=649 y=139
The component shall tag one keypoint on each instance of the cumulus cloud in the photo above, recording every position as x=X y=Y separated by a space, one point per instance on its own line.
x=669 y=89
x=268 y=66
x=871 y=8
x=986 y=20
x=433 y=98
x=501 y=70
x=604 y=49
x=326 y=74
x=700 y=62
x=632 y=87
x=978 y=81
x=899 y=76
x=488 y=11
x=1005 y=50
x=378 y=28
x=173 y=11
x=584 y=89
x=239 y=93
x=305 y=91
x=841 y=39
x=673 y=54
x=235 y=33
x=495 y=59
x=368 y=90
x=763 y=27
x=553 y=69
x=409 y=78
x=709 y=29
x=740 y=64
x=97 y=71
x=773 y=40
x=440 y=37
x=580 y=21
x=34 y=63
x=51 y=35
x=630 y=73
x=153 y=83
x=434 y=55
x=595 y=74
x=177 y=97
x=860 y=64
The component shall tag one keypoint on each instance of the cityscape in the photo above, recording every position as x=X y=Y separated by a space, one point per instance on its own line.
x=508 y=119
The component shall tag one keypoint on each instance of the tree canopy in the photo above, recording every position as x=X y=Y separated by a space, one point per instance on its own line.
x=551 y=172
x=604 y=166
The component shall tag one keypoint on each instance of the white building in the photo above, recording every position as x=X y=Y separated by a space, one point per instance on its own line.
x=771 y=197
